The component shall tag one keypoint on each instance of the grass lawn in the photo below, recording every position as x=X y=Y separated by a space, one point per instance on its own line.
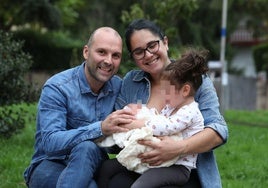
x=16 y=153
x=243 y=161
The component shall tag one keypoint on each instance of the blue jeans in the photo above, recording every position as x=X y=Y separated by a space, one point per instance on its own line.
x=75 y=172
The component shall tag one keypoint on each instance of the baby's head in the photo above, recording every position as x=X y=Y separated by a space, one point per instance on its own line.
x=134 y=107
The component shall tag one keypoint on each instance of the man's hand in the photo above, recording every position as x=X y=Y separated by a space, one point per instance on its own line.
x=137 y=123
x=112 y=124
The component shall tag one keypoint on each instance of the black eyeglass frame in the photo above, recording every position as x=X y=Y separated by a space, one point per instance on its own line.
x=150 y=44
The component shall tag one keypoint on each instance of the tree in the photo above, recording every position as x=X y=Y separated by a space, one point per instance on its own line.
x=55 y=14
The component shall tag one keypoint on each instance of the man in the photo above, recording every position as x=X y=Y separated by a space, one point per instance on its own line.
x=74 y=110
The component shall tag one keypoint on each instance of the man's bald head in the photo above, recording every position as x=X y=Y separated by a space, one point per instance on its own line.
x=102 y=31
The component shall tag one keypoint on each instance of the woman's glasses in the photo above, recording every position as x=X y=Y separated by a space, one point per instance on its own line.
x=152 y=47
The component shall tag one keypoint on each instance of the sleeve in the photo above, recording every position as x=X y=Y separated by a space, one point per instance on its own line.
x=52 y=120
x=207 y=99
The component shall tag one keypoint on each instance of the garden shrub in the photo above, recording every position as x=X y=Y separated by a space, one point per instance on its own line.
x=14 y=64
x=50 y=51
x=12 y=120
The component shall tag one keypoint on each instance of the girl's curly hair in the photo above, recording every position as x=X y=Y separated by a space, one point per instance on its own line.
x=188 y=69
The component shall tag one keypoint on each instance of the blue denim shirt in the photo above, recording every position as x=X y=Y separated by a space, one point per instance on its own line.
x=70 y=113
x=136 y=87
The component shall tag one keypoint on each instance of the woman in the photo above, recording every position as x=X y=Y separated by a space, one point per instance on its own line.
x=148 y=47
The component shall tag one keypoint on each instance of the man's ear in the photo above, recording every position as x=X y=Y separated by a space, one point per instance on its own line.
x=85 y=52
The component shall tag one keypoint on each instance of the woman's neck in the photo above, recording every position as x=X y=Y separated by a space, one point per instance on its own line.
x=155 y=79
x=155 y=97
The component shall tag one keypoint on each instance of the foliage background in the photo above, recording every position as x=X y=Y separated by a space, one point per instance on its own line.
x=185 y=22
x=14 y=63
x=50 y=35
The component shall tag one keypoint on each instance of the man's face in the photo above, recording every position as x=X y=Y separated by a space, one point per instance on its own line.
x=103 y=56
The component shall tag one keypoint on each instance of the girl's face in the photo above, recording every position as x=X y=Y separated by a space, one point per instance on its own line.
x=173 y=96
x=153 y=63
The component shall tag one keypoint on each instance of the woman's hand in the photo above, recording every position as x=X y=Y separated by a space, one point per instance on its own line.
x=162 y=151
x=168 y=148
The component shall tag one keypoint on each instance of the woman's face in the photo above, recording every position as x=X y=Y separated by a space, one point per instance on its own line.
x=153 y=63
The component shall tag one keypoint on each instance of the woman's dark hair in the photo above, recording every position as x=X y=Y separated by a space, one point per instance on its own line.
x=188 y=69
x=140 y=24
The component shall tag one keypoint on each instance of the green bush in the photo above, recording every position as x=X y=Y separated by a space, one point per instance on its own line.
x=14 y=64
x=12 y=121
x=50 y=51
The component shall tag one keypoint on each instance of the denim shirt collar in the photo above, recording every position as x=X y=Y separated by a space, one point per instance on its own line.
x=84 y=86
x=140 y=75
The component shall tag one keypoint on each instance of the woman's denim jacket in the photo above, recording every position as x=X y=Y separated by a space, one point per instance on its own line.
x=136 y=88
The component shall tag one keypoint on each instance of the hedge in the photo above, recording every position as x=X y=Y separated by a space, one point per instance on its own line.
x=50 y=51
